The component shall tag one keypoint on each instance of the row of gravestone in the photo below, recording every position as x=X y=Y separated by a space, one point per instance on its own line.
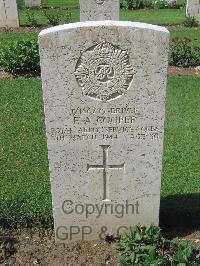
x=9 y=12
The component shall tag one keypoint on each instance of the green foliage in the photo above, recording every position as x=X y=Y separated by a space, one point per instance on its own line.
x=156 y=16
x=192 y=33
x=31 y=18
x=144 y=246
x=142 y=4
x=161 y=4
x=183 y=54
x=20 y=3
x=20 y=57
x=55 y=19
x=183 y=253
x=190 y=22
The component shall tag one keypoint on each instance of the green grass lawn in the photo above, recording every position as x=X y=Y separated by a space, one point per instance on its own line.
x=56 y=3
x=71 y=3
x=24 y=177
x=8 y=37
x=153 y=16
x=193 y=34
x=180 y=203
x=42 y=20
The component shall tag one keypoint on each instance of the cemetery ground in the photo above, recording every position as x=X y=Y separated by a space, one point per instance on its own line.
x=155 y=16
x=26 y=233
x=25 y=186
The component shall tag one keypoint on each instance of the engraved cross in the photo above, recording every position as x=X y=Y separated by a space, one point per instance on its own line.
x=105 y=167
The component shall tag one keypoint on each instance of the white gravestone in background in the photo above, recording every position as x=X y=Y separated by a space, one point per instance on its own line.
x=99 y=10
x=104 y=89
x=193 y=9
x=31 y=3
x=8 y=14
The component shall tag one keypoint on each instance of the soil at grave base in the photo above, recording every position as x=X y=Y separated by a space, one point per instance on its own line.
x=183 y=71
x=32 y=247
x=28 y=248
x=173 y=71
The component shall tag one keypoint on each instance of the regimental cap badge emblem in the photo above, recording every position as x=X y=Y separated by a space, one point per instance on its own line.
x=104 y=72
x=100 y=2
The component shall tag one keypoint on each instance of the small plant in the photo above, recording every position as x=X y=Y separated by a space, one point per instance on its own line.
x=144 y=246
x=31 y=18
x=190 y=22
x=161 y=4
x=183 y=54
x=130 y=4
x=68 y=17
x=20 y=57
x=150 y=4
x=54 y=19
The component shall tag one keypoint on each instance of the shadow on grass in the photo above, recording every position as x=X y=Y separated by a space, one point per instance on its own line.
x=180 y=211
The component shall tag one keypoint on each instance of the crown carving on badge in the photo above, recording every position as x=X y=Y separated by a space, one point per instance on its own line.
x=104 y=72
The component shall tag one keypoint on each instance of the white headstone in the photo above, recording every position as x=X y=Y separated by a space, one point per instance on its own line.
x=104 y=89
x=99 y=10
x=8 y=13
x=31 y=3
x=193 y=9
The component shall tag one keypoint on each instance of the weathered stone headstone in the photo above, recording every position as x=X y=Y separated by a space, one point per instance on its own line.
x=31 y=3
x=193 y=9
x=99 y=10
x=104 y=89
x=8 y=13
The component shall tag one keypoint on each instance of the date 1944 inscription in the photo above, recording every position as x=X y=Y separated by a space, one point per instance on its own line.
x=104 y=124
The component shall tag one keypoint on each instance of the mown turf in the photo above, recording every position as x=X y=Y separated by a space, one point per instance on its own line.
x=55 y=3
x=193 y=34
x=155 y=16
x=72 y=3
x=152 y=16
x=24 y=177
x=40 y=17
x=67 y=3
x=181 y=172
x=8 y=37
x=182 y=137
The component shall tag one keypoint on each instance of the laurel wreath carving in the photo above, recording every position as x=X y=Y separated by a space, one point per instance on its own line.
x=103 y=72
